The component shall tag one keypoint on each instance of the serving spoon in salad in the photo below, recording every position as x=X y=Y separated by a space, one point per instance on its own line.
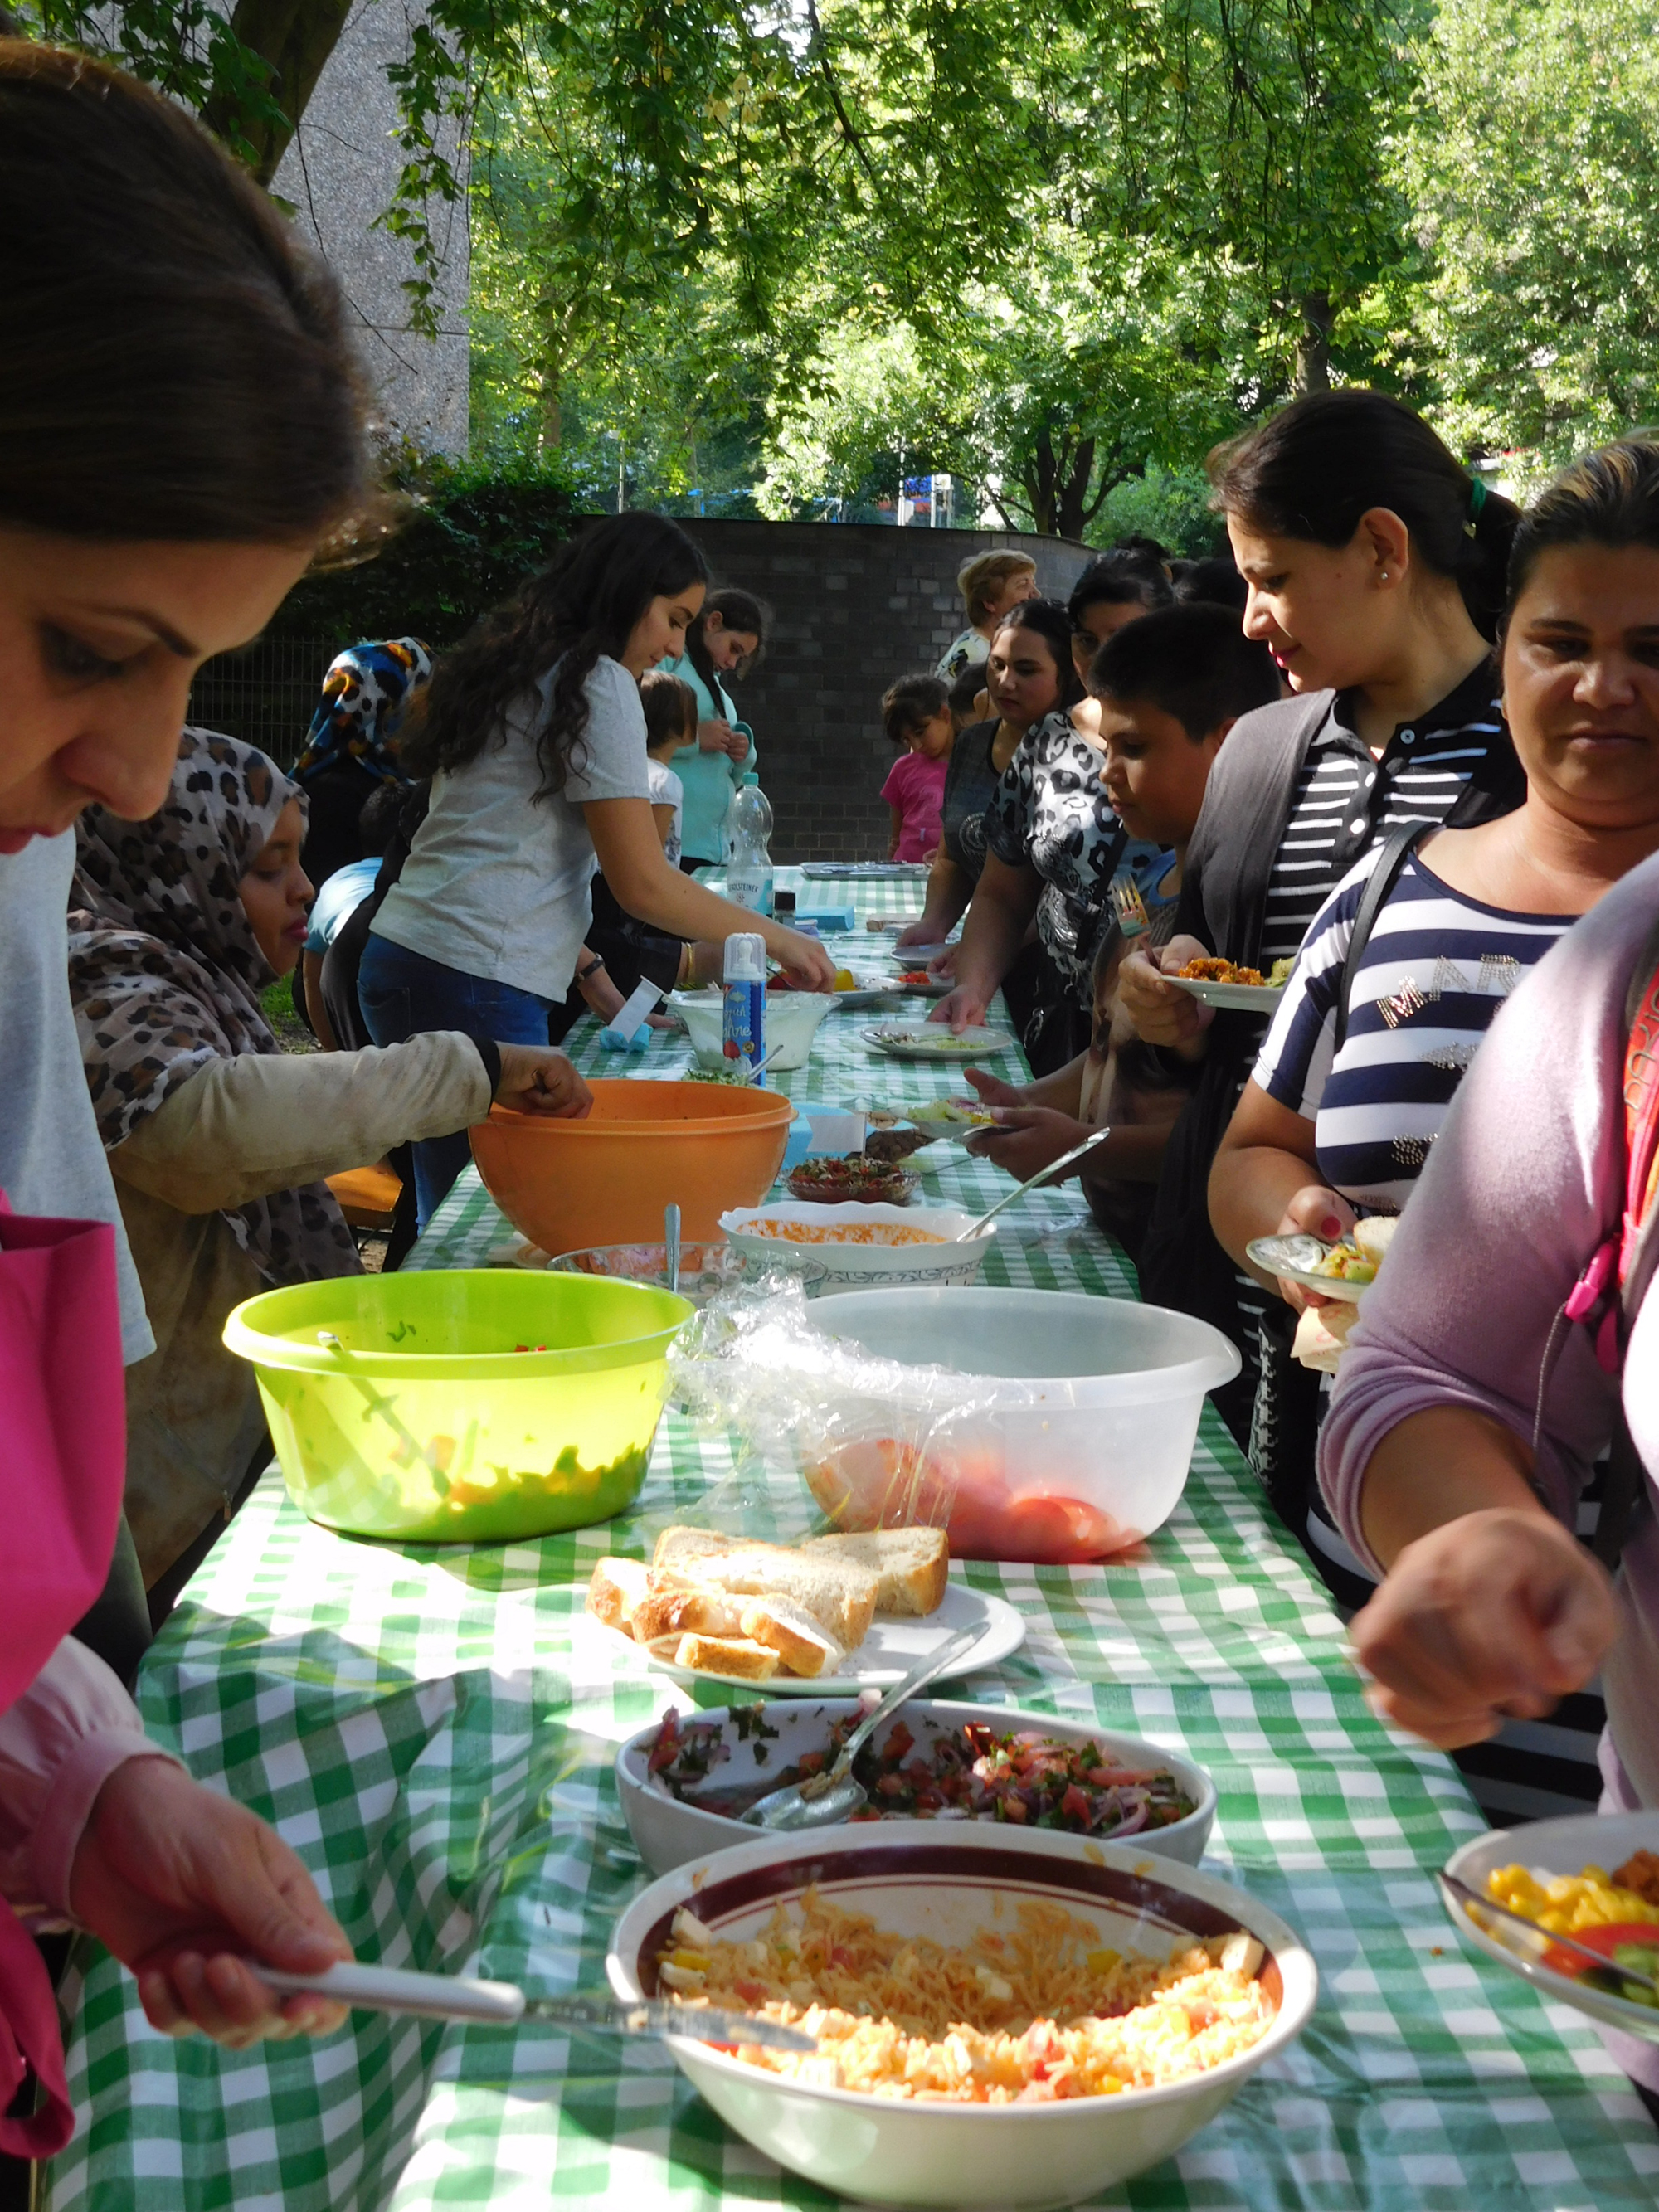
x=823 y=1800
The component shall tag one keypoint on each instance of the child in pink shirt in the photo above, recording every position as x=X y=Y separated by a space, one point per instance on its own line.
x=915 y=713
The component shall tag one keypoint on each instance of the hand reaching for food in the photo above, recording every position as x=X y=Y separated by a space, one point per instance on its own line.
x=1493 y=1615
x=1157 y=1012
x=993 y=1091
x=963 y=1009
x=1027 y=1139
x=536 y=1079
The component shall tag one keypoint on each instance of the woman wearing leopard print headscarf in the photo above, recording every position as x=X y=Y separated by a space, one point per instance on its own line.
x=219 y=1140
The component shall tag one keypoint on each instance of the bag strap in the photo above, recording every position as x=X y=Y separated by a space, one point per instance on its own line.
x=1637 y=1247
x=1381 y=880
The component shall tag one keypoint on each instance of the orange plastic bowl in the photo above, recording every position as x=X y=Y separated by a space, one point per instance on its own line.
x=606 y=1180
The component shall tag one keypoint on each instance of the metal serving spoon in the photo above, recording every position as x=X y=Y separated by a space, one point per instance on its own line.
x=823 y=1800
x=1033 y=1183
x=502 y=2004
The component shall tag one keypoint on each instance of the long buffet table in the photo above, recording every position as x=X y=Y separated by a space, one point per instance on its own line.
x=432 y=1728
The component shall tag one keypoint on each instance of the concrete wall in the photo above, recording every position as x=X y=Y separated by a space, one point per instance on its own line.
x=856 y=604
x=341 y=171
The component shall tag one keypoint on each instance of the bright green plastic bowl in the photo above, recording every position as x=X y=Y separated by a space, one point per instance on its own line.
x=430 y=1425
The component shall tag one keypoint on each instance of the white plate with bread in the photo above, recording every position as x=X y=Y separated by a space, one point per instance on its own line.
x=831 y=1616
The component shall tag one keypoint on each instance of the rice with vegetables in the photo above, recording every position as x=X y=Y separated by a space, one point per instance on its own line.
x=1040 y=2013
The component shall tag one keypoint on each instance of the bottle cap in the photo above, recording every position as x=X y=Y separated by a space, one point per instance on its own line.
x=745 y=959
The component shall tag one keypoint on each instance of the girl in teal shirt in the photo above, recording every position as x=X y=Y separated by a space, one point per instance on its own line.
x=725 y=642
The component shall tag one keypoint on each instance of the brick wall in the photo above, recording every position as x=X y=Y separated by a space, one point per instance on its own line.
x=856 y=604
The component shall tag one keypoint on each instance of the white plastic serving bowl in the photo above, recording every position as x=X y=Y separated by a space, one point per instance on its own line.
x=947 y=1881
x=791 y=1023
x=666 y=1833
x=1091 y=1452
x=864 y=1266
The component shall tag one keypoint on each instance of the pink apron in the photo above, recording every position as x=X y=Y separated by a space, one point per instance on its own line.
x=62 y=1460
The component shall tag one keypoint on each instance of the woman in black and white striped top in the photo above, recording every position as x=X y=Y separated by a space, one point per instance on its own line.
x=1375 y=565
x=1328 y=1129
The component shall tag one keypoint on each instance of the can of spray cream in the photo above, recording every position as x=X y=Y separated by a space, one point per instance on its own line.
x=742 y=1027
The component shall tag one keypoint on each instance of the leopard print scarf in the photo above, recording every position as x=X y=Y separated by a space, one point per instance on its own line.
x=165 y=973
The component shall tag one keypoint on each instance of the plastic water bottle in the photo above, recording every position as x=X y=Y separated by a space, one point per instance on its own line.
x=749 y=871
x=743 y=1021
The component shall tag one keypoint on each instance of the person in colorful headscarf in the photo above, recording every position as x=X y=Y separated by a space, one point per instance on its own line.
x=219 y=1142
x=350 y=747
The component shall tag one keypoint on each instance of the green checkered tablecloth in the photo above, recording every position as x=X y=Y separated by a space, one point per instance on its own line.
x=433 y=1730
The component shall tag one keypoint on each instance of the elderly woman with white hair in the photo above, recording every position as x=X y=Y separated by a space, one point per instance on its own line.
x=991 y=584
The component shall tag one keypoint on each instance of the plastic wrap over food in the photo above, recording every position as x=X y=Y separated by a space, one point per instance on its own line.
x=870 y=1436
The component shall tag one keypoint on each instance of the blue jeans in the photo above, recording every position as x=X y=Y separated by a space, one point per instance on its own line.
x=403 y=995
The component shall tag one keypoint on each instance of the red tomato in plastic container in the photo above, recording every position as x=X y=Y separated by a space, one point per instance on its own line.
x=879 y=1484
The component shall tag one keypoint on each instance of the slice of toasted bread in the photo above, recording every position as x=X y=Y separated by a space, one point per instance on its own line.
x=912 y=1566
x=674 y=1611
x=613 y=1589
x=1375 y=1234
x=791 y=1632
x=727 y=1654
x=679 y=1547
x=839 y=1593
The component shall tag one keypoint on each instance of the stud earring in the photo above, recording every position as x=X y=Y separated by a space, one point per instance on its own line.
x=1382 y=575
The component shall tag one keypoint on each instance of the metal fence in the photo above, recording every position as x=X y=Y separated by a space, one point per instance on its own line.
x=266 y=693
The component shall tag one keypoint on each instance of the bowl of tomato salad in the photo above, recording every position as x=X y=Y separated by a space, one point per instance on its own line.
x=685 y=1780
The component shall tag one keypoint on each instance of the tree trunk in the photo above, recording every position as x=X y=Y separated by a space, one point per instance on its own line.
x=552 y=432
x=1071 y=512
x=1040 y=476
x=1313 y=346
x=296 y=37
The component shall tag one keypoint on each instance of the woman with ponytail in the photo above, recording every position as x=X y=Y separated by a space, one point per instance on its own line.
x=1375 y=566
x=535 y=740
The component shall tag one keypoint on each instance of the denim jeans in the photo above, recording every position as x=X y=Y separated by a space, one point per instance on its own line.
x=404 y=994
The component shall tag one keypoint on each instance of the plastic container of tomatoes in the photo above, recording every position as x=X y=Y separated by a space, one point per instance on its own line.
x=1075 y=1432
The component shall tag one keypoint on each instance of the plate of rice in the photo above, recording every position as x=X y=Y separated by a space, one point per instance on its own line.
x=860 y=1245
x=1005 y=2017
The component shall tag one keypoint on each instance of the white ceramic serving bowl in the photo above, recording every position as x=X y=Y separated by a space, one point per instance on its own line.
x=947 y=1881
x=1564 y=1846
x=791 y=1023
x=666 y=1833
x=1103 y=1408
x=863 y=1266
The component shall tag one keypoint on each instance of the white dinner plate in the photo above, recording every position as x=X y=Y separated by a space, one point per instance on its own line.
x=1551 y=1847
x=917 y=1044
x=888 y=1652
x=919 y=955
x=1297 y=1259
x=1233 y=998
x=867 y=995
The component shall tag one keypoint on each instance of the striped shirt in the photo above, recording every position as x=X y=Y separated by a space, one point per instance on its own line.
x=1346 y=800
x=1434 y=970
